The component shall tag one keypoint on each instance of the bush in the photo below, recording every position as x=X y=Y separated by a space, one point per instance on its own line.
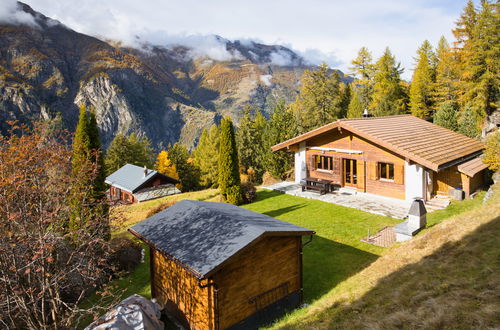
x=126 y=254
x=159 y=208
x=492 y=152
x=249 y=192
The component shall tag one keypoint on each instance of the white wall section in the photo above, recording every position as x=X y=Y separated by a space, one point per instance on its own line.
x=300 y=163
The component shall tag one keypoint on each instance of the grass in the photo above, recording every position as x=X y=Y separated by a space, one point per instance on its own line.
x=447 y=277
x=333 y=262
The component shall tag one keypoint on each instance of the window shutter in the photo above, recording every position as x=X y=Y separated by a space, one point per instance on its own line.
x=372 y=170
x=399 y=174
x=360 y=164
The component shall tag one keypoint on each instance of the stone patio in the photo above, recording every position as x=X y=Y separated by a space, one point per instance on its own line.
x=389 y=207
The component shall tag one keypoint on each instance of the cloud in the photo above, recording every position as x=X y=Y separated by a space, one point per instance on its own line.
x=266 y=79
x=11 y=13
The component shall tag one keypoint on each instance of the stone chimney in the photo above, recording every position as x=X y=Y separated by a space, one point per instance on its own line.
x=417 y=215
x=145 y=171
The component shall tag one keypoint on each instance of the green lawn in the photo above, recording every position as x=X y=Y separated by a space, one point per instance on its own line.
x=335 y=254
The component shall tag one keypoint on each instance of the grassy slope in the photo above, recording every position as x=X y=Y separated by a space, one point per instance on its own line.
x=447 y=277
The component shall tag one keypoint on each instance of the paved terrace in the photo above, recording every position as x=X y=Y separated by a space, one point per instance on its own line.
x=390 y=207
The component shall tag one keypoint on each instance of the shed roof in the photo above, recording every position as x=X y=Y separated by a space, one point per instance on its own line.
x=418 y=140
x=202 y=236
x=131 y=177
x=472 y=167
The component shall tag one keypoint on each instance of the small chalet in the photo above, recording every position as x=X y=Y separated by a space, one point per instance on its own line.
x=132 y=184
x=219 y=266
x=401 y=156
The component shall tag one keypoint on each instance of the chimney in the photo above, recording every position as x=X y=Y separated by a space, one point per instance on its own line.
x=145 y=171
x=366 y=114
x=417 y=218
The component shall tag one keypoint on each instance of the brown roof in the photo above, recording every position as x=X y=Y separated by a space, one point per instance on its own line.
x=472 y=167
x=414 y=138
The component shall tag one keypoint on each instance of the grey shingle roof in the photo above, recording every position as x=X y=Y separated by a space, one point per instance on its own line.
x=131 y=177
x=204 y=235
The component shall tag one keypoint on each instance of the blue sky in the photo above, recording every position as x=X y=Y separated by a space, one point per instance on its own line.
x=331 y=31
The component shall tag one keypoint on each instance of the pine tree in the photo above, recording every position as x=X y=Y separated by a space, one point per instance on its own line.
x=281 y=127
x=389 y=97
x=189 y=174
x=421 y=89
x=446 y=116
x=229 y=176
x=320 y=99
x=165 y=166
x=206 y=156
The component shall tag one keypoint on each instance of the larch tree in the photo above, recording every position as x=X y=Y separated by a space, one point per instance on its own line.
x=189 y=174
x=492 y=152
x=363 y=71
x=445 y=89
x=165 y=166
x=356 y=106
x=229 y=175
x=389 y=95
x=422 y=83
x=206 y=157
x=320 y=99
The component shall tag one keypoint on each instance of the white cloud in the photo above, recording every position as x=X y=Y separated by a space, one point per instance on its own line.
x=266 y=79
x=322 y=30
x=11 y=14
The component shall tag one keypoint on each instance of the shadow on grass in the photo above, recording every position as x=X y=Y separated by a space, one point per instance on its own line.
x=265 y=194
x=326 y=263
x=456 y=287
x=278 y=212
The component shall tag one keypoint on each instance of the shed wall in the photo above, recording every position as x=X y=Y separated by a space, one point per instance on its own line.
x=272 y=265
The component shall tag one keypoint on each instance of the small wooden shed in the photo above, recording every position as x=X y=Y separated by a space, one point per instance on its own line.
x=219 y=266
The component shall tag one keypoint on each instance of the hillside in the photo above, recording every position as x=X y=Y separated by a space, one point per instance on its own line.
x=445 y=278
x=162 y=93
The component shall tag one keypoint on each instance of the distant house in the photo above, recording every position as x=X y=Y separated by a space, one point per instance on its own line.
x=218 y=266
x=400 y=156
x=132 y=184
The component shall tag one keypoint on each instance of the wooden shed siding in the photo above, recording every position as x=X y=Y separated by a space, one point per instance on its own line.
x=446 y=179
x=269 y=263
x=172 y=282
x=372 y=154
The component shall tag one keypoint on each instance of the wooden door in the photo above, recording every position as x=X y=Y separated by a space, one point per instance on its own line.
x=350 y=171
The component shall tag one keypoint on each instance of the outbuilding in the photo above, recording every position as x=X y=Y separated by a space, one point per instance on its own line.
x=219 y=266
x=132 y=184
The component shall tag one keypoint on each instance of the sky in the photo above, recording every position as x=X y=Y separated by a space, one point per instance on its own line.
x=332 y=31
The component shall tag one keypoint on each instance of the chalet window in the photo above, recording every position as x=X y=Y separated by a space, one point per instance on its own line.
x=324 y=163
x=386 y=171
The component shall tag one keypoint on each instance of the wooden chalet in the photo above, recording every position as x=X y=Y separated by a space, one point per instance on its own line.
x=401 y=156
x=132 y=184
x=219 y=266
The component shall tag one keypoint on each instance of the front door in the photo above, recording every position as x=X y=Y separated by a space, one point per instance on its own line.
x=350 y=172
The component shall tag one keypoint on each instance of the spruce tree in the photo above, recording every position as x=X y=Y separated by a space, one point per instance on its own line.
x=446 y=116
x=281 y=127
x=132 y=150
x=421 y=89
x=468 y=121
x=389 y=96
x=229 y=176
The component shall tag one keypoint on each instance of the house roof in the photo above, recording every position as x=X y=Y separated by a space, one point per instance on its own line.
x=203 y=236
x=131 y=177
x=472 y=167
x=416 y=139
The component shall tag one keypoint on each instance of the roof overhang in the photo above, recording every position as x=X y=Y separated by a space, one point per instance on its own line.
x=472 y=167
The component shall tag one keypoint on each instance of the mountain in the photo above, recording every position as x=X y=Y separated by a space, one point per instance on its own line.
x=166 y=94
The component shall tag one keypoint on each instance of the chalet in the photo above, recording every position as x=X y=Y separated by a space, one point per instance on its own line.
x=132 y=184
x=401 y=156
x=219 y=266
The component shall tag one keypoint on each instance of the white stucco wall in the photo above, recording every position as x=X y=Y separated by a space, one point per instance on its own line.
x=414 y=181
x=300 y=163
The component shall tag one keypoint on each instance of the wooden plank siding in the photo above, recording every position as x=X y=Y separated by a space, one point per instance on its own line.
x=179 y=290
x=448 y=178
x=268 y=264
x=367 y=176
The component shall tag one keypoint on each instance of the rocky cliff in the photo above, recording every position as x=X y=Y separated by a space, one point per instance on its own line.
x=47 y=69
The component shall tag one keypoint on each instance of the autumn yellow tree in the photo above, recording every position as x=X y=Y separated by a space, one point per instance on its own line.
x=165 y=166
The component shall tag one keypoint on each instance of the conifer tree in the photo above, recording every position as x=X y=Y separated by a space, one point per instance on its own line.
x=492 y=152
x=468 y=121
x=229 y=176
x=165 y=166
x=281 y=127
x=445 y=89
x=355 y=108
x=320 y=99
x=189 y=174
x=421 y=89
x=363 y=70
x=206 y=156
x=446 y=116
x=132 y=150
x=389 y=96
